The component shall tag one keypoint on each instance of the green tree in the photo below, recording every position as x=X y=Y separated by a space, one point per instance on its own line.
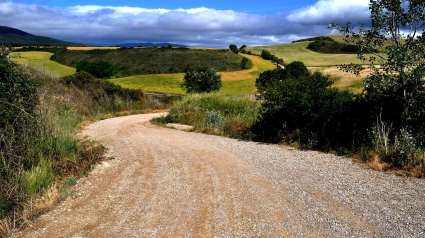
x=170 y=46
x=234 y=48
x=396 y=43
x=202 y=80
x=297 y=101
x=97 y=68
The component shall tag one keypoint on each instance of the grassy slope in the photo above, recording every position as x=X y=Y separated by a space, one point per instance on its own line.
x=41 y=60
x=233 y=82
x=138 y=61
x=326 y=63
x=298 y=52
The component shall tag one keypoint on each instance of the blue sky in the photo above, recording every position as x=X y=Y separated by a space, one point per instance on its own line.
x=190 y=22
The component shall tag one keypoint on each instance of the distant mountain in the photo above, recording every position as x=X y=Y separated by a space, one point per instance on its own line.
x=150 y=44
x=16 y=37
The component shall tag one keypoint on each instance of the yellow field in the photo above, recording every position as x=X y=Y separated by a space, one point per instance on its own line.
x=236 y=82
x=41 y=60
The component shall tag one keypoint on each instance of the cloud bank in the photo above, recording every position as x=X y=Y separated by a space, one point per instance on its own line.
x=104 y=25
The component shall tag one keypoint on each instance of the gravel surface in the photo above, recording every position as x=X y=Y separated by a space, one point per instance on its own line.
x=171 y=183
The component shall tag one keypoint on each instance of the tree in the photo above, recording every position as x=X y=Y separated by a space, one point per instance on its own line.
x=202 y=80
x=234 y=49
x=97 y=68
x=396 y=43
x=297 y=101
x=170 y=46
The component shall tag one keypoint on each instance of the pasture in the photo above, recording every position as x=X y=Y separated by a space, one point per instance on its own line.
x=236 y=82
x=41 y=60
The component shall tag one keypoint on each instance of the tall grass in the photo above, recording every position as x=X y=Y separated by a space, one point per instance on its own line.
x=215 y=113
x=43 y=150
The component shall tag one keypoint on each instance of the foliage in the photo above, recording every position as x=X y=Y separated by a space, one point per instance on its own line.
x=233 y=115
x=328 y=45
x=202 y=80
x=268 y=56
x=301 y=104
x=396 y=84
x=97 y=68
x=234 y=48
x=246 y=63
x=214 y=119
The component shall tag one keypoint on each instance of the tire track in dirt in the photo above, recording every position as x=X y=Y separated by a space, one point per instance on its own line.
x=169 y=183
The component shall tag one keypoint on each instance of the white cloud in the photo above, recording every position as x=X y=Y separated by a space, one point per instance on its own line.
x=106 y=25
x=331 y=10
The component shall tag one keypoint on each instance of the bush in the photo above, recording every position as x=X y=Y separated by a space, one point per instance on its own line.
x=98 y=68
x=300 y=105
x=268 y=56
x=229 y=115
x=246 y=63
x=234 y=49
x=203 y=80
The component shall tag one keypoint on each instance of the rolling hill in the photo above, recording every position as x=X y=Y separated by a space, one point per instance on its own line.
x=16 y=37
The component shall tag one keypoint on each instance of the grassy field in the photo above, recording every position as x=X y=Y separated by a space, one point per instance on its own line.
x=41 y=60
x=237 y=82
x=298 y=52
x=137 y=61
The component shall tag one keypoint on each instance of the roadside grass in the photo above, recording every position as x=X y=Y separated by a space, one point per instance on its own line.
x=41 y=60
x=45 y=157
x=237 y=82
x=215 y=113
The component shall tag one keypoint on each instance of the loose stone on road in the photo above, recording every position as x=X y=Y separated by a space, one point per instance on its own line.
x=170 y=183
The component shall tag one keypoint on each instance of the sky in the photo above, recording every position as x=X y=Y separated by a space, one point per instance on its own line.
x=207 y=23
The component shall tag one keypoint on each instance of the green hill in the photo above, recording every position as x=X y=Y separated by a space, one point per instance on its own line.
x=16 y=37
x=298 y=51
x=139 y=61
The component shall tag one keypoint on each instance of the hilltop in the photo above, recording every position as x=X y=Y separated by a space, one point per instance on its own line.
x=16 y=37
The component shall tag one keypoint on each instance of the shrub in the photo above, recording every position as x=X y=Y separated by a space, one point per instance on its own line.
x=234 y=49
x=214 y=119
x=301 y=104
x=97 y=68
x=203 y=80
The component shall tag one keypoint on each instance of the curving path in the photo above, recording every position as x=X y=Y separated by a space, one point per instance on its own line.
x=169 y=183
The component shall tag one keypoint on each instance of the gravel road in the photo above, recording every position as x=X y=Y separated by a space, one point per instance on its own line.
x=170 y=183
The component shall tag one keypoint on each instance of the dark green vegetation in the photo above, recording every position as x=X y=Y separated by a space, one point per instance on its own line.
x=234 y=49
x=268 y=56
x=301 y=106
x=97 y=68
x=383 y=126
x=394 y=92
x=328 y=45
x=138 y=61
x=15 y=37
x=38 y=148
x=201 y=80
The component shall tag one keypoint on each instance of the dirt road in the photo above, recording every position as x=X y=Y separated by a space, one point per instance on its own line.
x=169 y=183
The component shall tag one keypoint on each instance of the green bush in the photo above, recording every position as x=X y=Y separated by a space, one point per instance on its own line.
x=203 y=80
x=97 y=68
x=301 y=105
x=234 y=49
